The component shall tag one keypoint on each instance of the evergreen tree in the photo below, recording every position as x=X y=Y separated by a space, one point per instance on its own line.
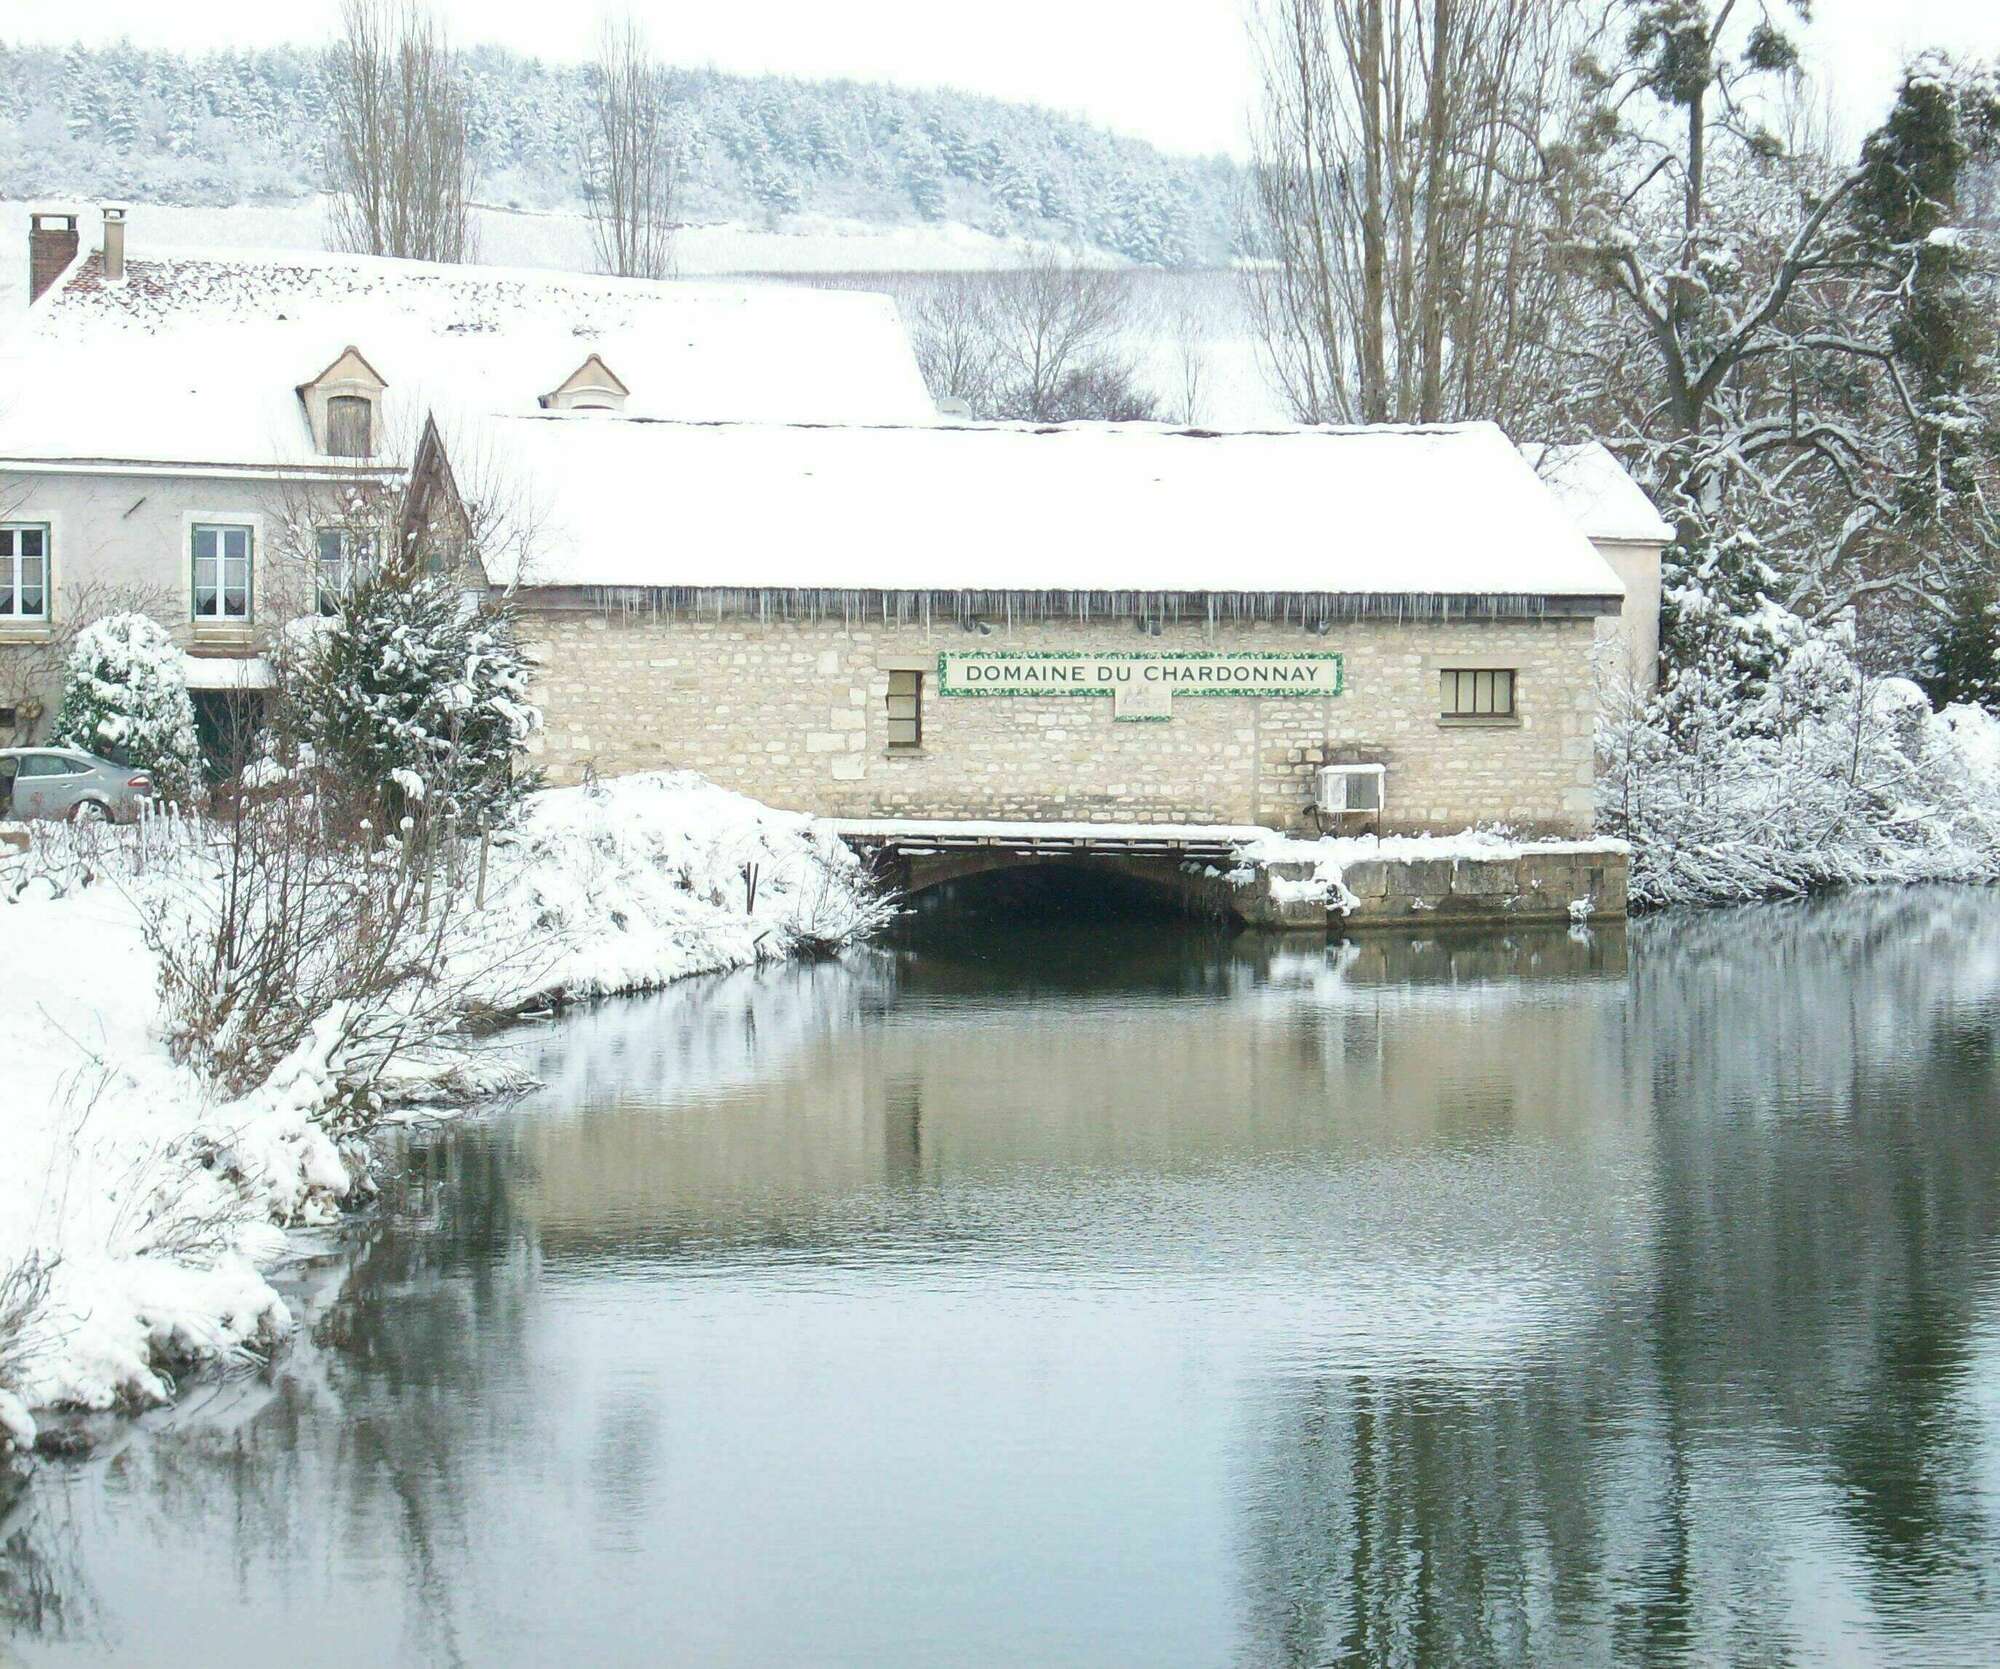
x=1962 y=661
x=1719 y=621
x=418 y=695
x=125 y=698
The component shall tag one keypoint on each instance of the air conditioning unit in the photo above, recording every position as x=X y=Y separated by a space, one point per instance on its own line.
x=1346 y=789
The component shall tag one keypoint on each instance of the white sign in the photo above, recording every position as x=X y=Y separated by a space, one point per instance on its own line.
x=1141 y=685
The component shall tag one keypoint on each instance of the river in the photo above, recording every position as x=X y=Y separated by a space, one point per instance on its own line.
x=1114 y=1292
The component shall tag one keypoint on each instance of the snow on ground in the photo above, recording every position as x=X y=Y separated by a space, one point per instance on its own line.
x=155 y=1255
x=154 y=1204
x=636 y=881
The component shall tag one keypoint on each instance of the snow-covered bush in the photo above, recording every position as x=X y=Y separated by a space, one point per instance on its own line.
x=1826 y=777
x=417 y=694
x=125 y=697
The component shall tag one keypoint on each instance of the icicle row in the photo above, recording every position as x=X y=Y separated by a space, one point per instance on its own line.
x=1308 y=610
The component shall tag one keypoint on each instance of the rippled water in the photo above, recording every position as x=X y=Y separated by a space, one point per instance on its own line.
x=1124 y=1295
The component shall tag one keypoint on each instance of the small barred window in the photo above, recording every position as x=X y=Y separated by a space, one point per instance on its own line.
x=906 y=711
x=1484 y=694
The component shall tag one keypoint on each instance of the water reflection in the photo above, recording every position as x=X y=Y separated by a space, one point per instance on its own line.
x=1141 y=1297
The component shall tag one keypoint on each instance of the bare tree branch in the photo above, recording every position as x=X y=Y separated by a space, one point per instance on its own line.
x=399 y=169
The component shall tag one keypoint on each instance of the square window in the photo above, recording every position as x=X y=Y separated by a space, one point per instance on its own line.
x=906 y=712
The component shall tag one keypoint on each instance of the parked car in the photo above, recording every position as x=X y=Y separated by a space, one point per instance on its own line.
x=67 y=782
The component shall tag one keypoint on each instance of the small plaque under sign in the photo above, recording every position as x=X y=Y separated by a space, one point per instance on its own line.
x=1142 y=701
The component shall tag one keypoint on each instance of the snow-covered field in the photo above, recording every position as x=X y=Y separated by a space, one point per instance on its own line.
x=555 y=238
x=152 y=1205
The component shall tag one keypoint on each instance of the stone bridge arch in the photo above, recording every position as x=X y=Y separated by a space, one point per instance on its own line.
x=1184 y=868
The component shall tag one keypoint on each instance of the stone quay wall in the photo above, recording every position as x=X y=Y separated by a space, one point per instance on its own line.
x=795 y=713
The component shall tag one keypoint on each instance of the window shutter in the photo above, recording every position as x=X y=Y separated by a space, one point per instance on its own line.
x=348 y=422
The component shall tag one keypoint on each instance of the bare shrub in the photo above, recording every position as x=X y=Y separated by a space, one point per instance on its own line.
x=828 y=911
x=1057 y=323
x=952 y=329
x=280 y=923
x=1048 y=342
x=24 y=1290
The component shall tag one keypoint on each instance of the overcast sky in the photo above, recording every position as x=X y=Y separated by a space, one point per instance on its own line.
x=1176 y=72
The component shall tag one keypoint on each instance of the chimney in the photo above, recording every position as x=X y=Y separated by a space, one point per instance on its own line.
x=51 y=247
x=114 y=240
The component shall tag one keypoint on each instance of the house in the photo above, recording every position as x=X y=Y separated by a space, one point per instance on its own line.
x=745 y=542
x=187 y=433
x=1617 y=517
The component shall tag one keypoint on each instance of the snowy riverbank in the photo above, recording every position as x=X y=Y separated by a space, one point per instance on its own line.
x=1832 y=781
x=138 y=1207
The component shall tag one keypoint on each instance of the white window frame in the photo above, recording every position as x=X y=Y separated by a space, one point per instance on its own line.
x=225 y=518
x=1341 y=779
x=14 y=615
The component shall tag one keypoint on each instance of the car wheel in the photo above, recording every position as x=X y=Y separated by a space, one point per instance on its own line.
x=90 y=811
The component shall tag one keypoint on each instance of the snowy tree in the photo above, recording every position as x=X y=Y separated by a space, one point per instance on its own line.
x=1785 y=346
x=417 y=693
x=125 y=698
x=923 y=176
x=1722 y=633
x=1829 y=777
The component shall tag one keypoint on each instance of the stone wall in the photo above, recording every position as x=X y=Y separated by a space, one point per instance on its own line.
x=794 y=713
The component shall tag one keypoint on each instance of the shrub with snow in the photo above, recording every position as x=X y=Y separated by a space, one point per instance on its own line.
x=416 y=693
x=1827 y=776
x=125 y=697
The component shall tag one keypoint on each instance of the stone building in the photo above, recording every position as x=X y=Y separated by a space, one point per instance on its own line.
x=747 y=545
x=1125 y=624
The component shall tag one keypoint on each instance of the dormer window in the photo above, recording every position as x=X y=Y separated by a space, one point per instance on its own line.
x=343 y=407
x=349 y=418
x=592 y=386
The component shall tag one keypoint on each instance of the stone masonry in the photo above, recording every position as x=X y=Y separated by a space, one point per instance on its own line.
x=794 y=713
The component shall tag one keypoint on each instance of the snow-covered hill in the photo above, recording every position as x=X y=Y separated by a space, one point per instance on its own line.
x=233 y=128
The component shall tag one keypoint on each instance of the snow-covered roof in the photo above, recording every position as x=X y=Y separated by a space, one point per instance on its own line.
x=1598 y=492
x=196 y=358
x=1439 y=511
